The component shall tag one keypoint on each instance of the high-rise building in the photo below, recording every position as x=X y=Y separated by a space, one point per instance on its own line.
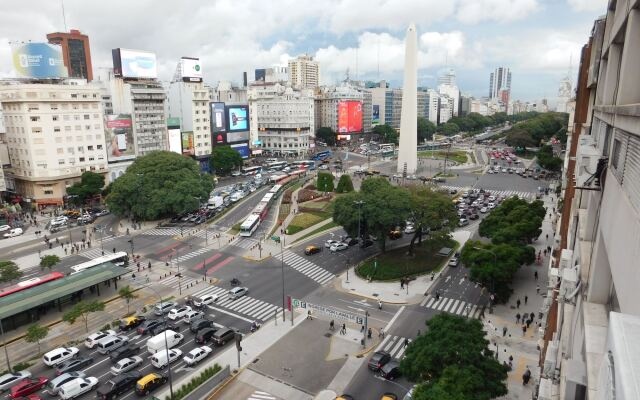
x=499 y=80
x=54 y=133
x=445 y=112
x=448 y=78
x=564 y=94
x=304 y=72
x=189 y=101
x=3 y=146
x=393 y=107
x=75 y=52
x=327 y=103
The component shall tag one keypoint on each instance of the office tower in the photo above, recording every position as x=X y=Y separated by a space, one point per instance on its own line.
x=499 y=80
x=304 y=72
x=75 y=52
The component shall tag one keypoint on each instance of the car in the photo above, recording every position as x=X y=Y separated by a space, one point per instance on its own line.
x=196 y=355
x=236 y=173
x=409 y=229
x=199 y=324
x=474 y=216
x=205 y=300
x=163 y=308
x=378 y=360
x=92 y=340
x=192 y=316
x=345 y=397
x=484 y=210
x=349 y=241
x=454 y=261
x=74 y=365
x=147 y=326
x=237 y=292
x=131 y=322
x=8 y=380
x=490 y=171
x=27 y=386
x=124 y=351
x=463 y=222
x=163 y=326
x=13 y=233
x=4 y=228
x=339 y=247
x=330 y=243
x=77 y=387
x=390 y=370
x=491 y=206
x=150 y=382
x=223 y=335
x=102 y=213
x=309 y=250
x=205 y=334
x=395 y=234
x=492 y=198
x=366 y=243
x=53 y=386
x=118 y=385
x=179 y=312
x=57 y=356
x=163 y=358
x=126 y=365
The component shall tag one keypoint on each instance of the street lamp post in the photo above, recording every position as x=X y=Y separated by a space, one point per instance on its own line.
x=131 y=243
x=359 y=203
x=495 y=264
x=178 y=273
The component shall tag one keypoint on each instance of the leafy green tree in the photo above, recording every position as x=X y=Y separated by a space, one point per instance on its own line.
x=158 y=185
x=326 y=135
x=547 y=160
x=325 y=182
x=346 y=212
x=450 y=129
x=453 y=357
x=224 y=160
x=515 y=220
x=82 y=310
x=344 y=184
x=127 y=294
x=426 y=129
x=9 y=271
x=387 y=133
x=90 y=185
x=35 y=333
x=537 y=128
x=49 y=261
x=429 y=210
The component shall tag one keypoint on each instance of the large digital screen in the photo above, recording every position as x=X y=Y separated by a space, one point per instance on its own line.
x=234 y=137
x=238 y=118
x=243 y=149
x=175 y=140
x=119 y=137
x=261 y=75
x=191 y=69
x=38 y=60
x=375 y=115
x=135 y=64
x=188 y=148
x=349 y=116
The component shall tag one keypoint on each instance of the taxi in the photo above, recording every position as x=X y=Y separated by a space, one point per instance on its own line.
x=309 y=250
x=131 y=322
x=149 y=382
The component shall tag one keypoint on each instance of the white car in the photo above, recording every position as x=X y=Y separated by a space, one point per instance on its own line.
x=13 y=233
x=77 y=387
x=483 y=210
x=489 y=171
x=196 y=355
x=4 y=228
x=8 y=380
x=59 y=355
x=179 y=312
x=191 y=315
x=409 y=229
x=339 y=247
x=330 y=243
x=126 y=365
x=491 y=206
x=205 y=300
x=492 y=198
x=504 y=170
x=92 y=340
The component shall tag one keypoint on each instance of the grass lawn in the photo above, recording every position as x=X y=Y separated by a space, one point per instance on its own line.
x=396 y=264
x=323 y=228
x=304 y=220
x=458 y=156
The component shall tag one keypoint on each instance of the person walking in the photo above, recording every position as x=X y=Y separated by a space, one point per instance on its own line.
x=504 y=331
x=532 y=316
x=526 y=377
x=331 y=325
x=518 y=303
x=343 y=331
x=535 y=275
x=526 y=298
x=524 y=329
x=517 y=318
x=538 y=289
x=379 y=304
x=406 y=342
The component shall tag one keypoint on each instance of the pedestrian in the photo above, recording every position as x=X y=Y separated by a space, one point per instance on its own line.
x=545 y=252
x=547 y=236
x=379 y=304
x=524 y=329
x=549 y=250
x=309 y=315
x=149 y=265
x=331 y=325
x=344 y=329
x=114 y=249
x=361 y=328
x=529 y=323
x=138 y=266
x=526 y=298
x=538 y=289
x=381 y=333
x=402 y=283
x=532 y=316
x=406 y=342
x=535 y=275
x=525 y=377
x=518 y=303
x=369 y=333
x=517 y=318
x=504 y=331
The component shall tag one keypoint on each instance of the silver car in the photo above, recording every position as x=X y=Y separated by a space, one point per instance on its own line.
x=8 y=380
x=53 y=386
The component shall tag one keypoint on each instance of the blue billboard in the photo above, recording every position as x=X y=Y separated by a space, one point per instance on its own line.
x=38 y=60
x=238 y=118
x=243 y=149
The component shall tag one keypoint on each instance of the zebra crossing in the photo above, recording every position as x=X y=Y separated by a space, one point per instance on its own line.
x=260 y=395
x=246 y=305
x=505 y=193
x=394 y=345
x=175 y=282
x=244 y=242
x=306 y=267
x=187 y=256
x=453 y=306
x=94 y=252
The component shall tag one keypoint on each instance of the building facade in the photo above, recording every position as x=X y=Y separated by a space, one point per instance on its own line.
x=326 y=105
x=76 y=53
x=304 y=72
x=54 y=133
x=500 y=79
x=393 y=107
x=189 y=101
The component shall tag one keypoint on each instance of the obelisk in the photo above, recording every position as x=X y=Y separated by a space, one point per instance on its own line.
x=407 y=151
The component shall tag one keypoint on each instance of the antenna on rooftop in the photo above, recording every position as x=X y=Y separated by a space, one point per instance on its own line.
x=378 y=58
x=64 y=17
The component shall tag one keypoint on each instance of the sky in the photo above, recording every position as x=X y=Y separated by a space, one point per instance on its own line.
x=536 y=39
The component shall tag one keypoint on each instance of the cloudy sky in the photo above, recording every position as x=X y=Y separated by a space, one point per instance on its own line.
x=535 y=38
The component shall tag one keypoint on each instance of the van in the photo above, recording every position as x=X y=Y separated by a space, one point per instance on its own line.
x=223 y=335
x=77 y=387
x=59 y=355
x=54 y=385
x=110 y=343
x=160 y=360
x=157 y=342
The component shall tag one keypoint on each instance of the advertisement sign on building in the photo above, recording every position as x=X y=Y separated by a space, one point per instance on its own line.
x=134 y=64
x=375 y=115
x=119 y=137
x=243 y=149
x=260 y=75
x=218 y=124
x=175 y=140
x=234 y=137
x=238 y=118
x=38 y=60
x=188 y=149
x=349 y=117
x=191 y=69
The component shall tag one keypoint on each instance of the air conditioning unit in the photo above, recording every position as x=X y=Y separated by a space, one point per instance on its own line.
x=587 y=158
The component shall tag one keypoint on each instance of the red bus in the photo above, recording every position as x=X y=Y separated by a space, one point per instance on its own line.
x=29 y=283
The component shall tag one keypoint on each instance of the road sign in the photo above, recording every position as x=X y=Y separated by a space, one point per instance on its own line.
x=333 y=313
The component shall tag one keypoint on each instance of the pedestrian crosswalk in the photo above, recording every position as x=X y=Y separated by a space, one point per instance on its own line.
x=92 y=253
x=505 y=193
x=306 y=267
x=246 y=305
x=453 y=306
x=394 y=345
x=243 y=242
x=260 y=395
x=166 y=231
x=183 y=282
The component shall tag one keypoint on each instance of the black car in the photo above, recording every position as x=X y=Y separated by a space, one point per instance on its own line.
x=349 y=241
x=199 y=324
x=148 y=325
x=366 y=243
x=223 y=335
x=378 y=360
x=118 y=385
x=205 y=335
x=74 y=365
x=390 y=370
x=163 y=326
x=124 y=351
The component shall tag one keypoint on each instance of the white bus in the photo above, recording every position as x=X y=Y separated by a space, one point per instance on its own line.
x=246 y=171
x=277 y=165
x=249 y=225
x=120 y=259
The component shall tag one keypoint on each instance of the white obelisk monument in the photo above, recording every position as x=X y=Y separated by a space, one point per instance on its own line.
x=407 y=151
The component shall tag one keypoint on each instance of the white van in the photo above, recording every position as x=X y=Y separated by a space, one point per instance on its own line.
x=59 y=355
x=156 y=343
x=159 y=360
x=110 y=343
x=77 y=387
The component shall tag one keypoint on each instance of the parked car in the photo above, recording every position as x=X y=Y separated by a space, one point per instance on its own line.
x=13 y=233
x=454 y=261
x=339 y=247
x=150 y=382
x=390 y=370
x=196 y=355
x=53 y=386
x=27 y=386
x=77 y=387
x=366 y=243
x=74 y=365
x=8 y=380
x=410 y=229
x=309 y=250
x=177 y=313
x=484 y=210
x=4 y=228
x=378 y=360
x=237 y=292
x=57 y=356
x=330 y=243
x=349 y=241
x=118 y=385
x=126 y=365
x=205 y=300
x=124 y=351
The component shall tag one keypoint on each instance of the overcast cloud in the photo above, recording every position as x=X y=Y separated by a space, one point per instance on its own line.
x=535 y=38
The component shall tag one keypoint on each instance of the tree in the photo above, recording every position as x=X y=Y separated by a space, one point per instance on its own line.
x=429 y=210
x=158 y=185
x=450 y=129
x=326 y=135
x=344 y=184
x=547 y=160
x=325 y=182
x=90 y=185
x=48 y=261
x=224 y=160
x=127 y=294
x=82 y=310
x=387 y=133
x=515 y=220
x=35 y=333
x=453 y=357
x=426 y=129
x=9 y=271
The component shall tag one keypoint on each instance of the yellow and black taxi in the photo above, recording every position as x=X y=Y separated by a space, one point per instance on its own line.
x=309 y=250
x=345 y=397
x=389 y=396
x=150 y=382
x=129 y=323
x=395 y=233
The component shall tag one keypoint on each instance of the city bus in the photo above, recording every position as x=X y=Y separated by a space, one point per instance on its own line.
x=246 y=171
x=29 y=283
x=275 y=190
x=307 y=164
x=277 y=165
x=321 y=155
x=120 y=259
x=249 y=225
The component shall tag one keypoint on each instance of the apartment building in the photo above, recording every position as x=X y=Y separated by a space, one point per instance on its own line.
x=189 y=101
x=328 y=98
x=304 y=72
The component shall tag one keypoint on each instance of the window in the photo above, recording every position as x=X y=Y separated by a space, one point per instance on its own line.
x=48 y=191
x=34 y=119
x=70 y=150
x=60 y=150
x=92 y=158
x=54 y=106
x=87 y=116
x=56 y=129
x=81 y=159
x=74 y=96
x=76 y=117
x=54 y=117
x=90 y=148
x=60 y=162
x=615 y=155
x=80 y=149
x=99 y=147
x=66 y=117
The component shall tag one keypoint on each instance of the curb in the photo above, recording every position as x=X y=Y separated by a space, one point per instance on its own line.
x=367 y=350
x=315 y=235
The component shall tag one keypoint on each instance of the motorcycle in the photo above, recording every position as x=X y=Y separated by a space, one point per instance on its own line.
x=235 y=282
x=255 y=326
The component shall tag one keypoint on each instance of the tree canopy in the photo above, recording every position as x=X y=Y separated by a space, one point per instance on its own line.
x=82 y=310
x=90 y=185
x=35 y=333
x=325 y=182
x=531 y=132
x=158 y=185
x=429 y=210
x=225 y=160
x=450 y=128
x=345 y=185
x=49 y=261
x=515 y=220
x=9 y=271
x=326 y=135
x=426 y=129
x=387 y=133
x=547 y=160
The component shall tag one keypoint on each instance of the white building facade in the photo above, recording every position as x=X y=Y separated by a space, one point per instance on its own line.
x=189 y=101
x=304 y=72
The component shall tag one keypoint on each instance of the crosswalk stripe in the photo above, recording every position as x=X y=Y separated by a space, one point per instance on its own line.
x=306 y=267
x=397 y=347
x=459 y=309
x=383 y=343
x=454 y=306
x=431 y=301
x=249 y=305
x=442 y=303
x=390 y=344
x=473 y=310
x=401 y=352
x=267 y=311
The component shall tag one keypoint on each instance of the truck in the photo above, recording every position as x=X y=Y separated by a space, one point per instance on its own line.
x=157 y=342
x=215 y=202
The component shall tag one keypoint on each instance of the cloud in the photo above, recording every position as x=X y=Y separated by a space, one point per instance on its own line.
x=474 y=11
x=589 y=5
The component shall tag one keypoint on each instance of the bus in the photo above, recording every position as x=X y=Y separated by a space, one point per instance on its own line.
x=29 y=283
x=307 y=164
x=246 y=171
x=249 y=225
x=120 y=259
x=275 y=190
x=277 y=165
x=321 y=155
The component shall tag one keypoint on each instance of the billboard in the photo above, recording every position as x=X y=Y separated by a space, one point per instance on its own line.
x=238 y=118
x=188 y=148
x=234 y=137
x=134 y=64
x=119 y=137
x=243 y=149
x=38 y=60
x=191 y=69
x=349 y=116
x=175 y=140
x=375 y=115
x=261 y=75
